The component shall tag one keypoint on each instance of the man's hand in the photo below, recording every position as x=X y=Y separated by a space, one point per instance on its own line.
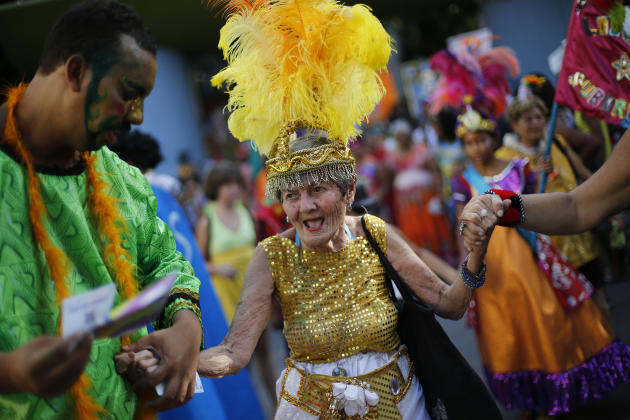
x=178 y=351
x=46 y=366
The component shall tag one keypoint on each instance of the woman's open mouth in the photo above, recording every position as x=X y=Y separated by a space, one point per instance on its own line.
x=313 y=225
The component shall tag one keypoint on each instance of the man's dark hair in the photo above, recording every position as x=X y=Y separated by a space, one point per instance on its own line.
x=138 y=149
x=89 y=28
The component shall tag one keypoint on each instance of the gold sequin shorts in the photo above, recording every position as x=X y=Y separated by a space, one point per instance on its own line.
x=312 y=393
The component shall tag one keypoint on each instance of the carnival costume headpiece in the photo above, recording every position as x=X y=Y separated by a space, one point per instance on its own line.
x=301 y=69
x=481 y=76
x=472 y=121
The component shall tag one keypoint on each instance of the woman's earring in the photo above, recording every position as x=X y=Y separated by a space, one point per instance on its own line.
x=286 y=218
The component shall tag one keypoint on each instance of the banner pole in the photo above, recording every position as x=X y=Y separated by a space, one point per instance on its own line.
x=552 y=129
x=607 y=144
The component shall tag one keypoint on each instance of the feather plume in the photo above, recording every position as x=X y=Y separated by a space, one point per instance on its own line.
x=229 y=7
x=483 y=77
x=503 y=56
x=310 y=61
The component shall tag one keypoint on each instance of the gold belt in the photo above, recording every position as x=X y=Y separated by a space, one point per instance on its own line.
x=315 y=391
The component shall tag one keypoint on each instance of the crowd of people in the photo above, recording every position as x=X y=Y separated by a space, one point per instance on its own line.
x=286 y=235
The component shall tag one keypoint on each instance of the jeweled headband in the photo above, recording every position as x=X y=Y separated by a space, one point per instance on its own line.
x=330 y=161
x=472 y=121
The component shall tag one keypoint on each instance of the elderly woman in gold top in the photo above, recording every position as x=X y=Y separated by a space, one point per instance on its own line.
x=339 y=319
x=301 y=77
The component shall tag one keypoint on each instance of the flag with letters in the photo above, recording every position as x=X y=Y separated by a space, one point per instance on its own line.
x=595 y=75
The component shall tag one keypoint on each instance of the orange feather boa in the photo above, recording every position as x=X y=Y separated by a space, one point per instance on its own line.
x=111 y=227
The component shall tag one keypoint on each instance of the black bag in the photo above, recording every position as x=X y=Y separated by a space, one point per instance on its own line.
x=451 y=387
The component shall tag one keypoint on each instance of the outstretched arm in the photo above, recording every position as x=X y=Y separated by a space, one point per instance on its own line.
x=252 y=315
x=448 y=301
x=606 y=193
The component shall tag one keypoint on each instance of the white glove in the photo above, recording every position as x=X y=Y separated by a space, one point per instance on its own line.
x=354 y=399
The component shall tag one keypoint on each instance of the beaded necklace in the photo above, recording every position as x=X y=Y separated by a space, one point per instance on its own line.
x=111 y=226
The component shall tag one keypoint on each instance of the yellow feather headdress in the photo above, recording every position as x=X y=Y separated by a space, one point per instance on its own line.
x=300 y=64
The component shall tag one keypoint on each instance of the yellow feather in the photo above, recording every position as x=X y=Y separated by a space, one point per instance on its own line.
x=308 y=60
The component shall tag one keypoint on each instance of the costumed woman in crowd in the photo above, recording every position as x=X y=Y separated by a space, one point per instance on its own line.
x=301 y=76
x=528 y=118
x=540 y=337
x=417 y=193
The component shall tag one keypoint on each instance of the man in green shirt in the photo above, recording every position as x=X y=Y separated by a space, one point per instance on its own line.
x=97 y=67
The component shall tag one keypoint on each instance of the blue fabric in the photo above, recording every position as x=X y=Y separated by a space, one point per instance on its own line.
x=229 y=398
x=475 y=179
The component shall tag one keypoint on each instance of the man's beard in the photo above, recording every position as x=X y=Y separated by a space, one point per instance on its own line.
x=92 y=144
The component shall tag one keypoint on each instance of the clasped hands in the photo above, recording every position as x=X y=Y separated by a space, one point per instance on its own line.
x=170 y=355
x=478 y=219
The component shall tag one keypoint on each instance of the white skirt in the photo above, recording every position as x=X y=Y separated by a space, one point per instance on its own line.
x=411 y=407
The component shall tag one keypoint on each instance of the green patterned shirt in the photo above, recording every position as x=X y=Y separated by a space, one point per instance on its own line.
x=27 y=292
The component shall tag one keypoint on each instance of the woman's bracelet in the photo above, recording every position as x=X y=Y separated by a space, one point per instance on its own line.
x=515 y=214
x=471 y=279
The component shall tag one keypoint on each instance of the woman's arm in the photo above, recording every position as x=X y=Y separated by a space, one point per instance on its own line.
x=586 y=144
x=440 y=267
x=448 y=301
x=606 y=193
x=252 y=315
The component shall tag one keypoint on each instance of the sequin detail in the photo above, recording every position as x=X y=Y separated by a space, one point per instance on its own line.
x=314 y=394
x=559 y=393
x=372 y=317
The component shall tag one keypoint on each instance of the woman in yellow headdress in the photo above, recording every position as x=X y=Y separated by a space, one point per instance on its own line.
x=301 y=76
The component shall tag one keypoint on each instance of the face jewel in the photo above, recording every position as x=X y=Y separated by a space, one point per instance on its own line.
x=622 y=66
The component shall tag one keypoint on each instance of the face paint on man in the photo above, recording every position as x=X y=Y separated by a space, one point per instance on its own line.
x=115 y=97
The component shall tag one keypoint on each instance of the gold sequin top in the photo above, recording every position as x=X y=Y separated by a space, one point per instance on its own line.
x=324 y=293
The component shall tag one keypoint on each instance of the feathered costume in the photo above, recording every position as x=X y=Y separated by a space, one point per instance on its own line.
x=482 y=77
x=306 y=72
x=301 y=65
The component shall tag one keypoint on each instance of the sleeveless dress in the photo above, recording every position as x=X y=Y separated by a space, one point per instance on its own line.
x=337 y=314
x=233 y=247
x=536 y=355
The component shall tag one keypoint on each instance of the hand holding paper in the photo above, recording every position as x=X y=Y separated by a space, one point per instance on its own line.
x=92 y=311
